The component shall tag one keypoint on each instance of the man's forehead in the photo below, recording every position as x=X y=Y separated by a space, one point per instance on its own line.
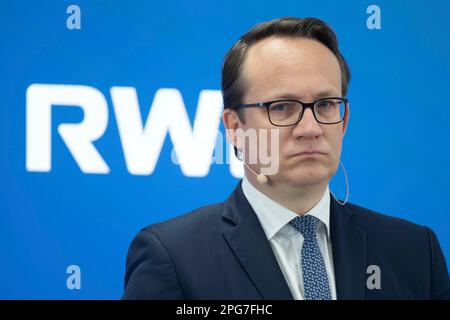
x=283 y=50
x=315 y=93
x=277 y=67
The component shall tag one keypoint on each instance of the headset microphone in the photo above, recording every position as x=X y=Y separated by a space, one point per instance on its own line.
x=261 y=178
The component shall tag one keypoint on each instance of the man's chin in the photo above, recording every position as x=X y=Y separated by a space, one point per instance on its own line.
x=305 y=178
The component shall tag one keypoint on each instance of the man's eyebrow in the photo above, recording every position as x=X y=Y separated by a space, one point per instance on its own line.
x=291 y=96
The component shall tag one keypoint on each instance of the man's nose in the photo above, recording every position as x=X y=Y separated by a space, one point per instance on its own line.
x=308 y=125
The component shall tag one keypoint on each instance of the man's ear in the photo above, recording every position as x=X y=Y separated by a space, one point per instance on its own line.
x=231 y=122
x=345 y=122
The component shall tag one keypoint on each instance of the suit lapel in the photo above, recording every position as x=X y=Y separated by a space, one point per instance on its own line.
x=349 y=253
x=245 y=236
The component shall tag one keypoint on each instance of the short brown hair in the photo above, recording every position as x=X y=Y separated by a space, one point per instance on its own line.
x=312 y=28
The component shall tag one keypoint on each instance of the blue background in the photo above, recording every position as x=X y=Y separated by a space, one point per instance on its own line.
x=396 y=148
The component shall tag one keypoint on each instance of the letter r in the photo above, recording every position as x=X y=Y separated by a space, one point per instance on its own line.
x=77 y=136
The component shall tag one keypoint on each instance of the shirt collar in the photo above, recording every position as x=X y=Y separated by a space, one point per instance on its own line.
x=274 y=216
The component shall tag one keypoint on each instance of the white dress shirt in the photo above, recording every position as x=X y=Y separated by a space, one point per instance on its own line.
x=286 y=241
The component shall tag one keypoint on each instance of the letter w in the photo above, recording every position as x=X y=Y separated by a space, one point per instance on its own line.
x=142 y=144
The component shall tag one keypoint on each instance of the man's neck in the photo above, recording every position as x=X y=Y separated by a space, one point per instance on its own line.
x=297 y=199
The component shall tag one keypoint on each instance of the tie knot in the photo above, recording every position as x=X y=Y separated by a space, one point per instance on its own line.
x=306 y=225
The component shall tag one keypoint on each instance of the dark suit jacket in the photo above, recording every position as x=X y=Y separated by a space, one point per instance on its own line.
x=220 y=251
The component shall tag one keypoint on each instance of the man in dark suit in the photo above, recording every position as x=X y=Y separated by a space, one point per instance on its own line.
x=281 y=234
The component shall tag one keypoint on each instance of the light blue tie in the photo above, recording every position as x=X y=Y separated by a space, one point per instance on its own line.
x=315 y=279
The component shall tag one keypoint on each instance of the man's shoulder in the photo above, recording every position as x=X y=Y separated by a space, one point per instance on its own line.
x=201 y=221
x=384 y=225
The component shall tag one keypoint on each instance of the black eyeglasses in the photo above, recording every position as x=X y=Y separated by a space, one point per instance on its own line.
x=285 y=113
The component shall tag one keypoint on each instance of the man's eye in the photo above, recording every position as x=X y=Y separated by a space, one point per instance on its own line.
x=326 y=104
x=279 y=107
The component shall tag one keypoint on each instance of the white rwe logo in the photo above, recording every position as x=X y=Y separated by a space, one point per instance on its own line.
x=141 y=142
